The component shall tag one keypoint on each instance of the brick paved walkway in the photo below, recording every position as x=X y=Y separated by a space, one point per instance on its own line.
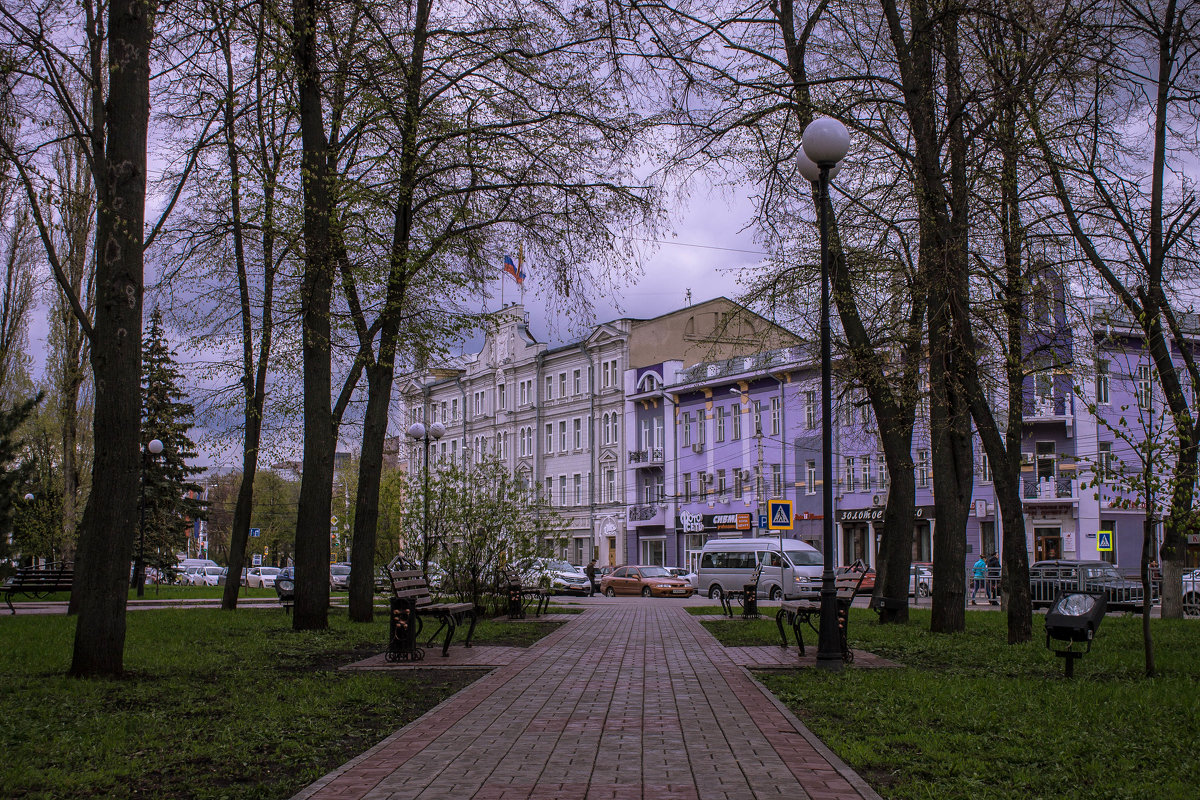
x=633 y=700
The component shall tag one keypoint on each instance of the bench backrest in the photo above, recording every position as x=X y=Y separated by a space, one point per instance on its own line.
x=411 y=584
x=59 y=574
x=848 y=583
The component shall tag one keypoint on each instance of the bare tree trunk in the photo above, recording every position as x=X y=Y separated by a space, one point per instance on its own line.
x=110 y=519
x=316 y=485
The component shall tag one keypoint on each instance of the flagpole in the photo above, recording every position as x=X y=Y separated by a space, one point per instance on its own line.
x=520 y=268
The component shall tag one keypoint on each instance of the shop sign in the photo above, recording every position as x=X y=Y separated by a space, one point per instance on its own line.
x=705 y=523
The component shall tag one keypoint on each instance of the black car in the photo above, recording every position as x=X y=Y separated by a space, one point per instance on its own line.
x=1049 y=579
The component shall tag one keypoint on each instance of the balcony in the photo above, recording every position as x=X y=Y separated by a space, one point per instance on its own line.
x=646 y=458
x=1047 y=489
x=648 y=514
x=1046 y=408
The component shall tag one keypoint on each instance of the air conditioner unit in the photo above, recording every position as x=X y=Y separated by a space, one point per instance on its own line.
x=697 y=448
x=875 y=500
x=745 y=476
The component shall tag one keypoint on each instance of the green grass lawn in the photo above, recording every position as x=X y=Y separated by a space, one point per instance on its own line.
x=969 y=716
x=213 y=705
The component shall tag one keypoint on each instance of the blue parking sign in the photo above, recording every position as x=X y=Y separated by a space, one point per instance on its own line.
x=762 y=521
x=255 y=532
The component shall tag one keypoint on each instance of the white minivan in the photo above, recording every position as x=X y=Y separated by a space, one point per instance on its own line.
x=730 y=564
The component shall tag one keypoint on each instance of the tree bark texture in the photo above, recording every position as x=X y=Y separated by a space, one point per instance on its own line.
x=316 y=485
x=110 y=519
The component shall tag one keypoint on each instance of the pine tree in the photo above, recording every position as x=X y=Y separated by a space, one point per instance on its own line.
x=169 y=511
x=14 y=470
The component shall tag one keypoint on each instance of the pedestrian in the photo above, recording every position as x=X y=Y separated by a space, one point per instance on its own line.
x=993 y=578
x=590 y=571
x=980 y=575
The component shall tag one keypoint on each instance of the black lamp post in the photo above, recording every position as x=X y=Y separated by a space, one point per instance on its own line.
x=825 y=144
x=418 y=432
x=153 y=448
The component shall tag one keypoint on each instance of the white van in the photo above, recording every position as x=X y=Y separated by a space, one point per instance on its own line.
x=730 y=564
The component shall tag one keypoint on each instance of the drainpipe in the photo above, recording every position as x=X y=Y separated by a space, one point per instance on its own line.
x=538 y=456
x=591 y=443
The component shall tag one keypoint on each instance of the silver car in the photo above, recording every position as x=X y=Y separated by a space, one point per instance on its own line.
x=339 y=578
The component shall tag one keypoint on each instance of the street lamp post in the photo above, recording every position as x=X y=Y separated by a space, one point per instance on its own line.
x=153 y=448
x=825 y=144
x=418 y=432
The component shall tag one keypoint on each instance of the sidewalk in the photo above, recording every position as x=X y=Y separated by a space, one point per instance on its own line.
x=631 y=700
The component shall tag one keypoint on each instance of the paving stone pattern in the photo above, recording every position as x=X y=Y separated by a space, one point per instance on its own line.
x=625 y=701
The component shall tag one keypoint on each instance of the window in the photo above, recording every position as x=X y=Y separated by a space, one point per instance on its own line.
x=687 y=428
x=1101 y=382
x=577 y=423
x=660 y=487
x=719 y=415
x=810 y=477
x=503 y=437
x=738 y=488
x=577 y=379
x=610 y=485
x=881 y=473
x=1043 y=383
x=501 y=399
x=658 y=433
x=616 y=375
x=687 y=487
x=562 y=384
x=550 y=491
x=1105 y=462
x=985 y=468
x=549 y=437
x=737 y=422
x=1143 y=386
x=757 y=418
x=524 y=393
x=549 y=387
x=615 y=430
x=644 y=439
x=810 y=410
x=562 y=490
x=776 y=416
x=865 y=463
x=578 y=480
x=701 y=424
x=850 y=476
x=454 y=409
x=721 y=485
x=454 y=449
x=562 y=436
x=922 y=469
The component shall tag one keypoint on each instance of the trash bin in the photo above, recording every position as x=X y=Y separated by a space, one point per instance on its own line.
x=750 y=600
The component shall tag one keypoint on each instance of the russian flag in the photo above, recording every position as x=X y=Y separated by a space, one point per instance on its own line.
x=512 y=269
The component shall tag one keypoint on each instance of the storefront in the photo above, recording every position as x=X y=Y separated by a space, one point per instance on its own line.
x=862 y=528
x=695 y=529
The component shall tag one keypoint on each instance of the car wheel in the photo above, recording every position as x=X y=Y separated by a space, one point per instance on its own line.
x=610 y=592
x=646 y=591
x=776 y=593
x=923 y=589
x=1191 y=604
x=714 y=592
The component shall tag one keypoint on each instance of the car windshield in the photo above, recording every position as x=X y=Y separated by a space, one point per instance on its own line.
x=269 y=571
x=339 y=570
x=805 y=558
x=559 y=566
x=655 y=572
x=212 y=570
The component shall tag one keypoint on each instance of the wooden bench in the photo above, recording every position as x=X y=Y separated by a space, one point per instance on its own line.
x=747 y=596
x=521 y=596
x=413 y=601
x=38 y=582
x=797 y=612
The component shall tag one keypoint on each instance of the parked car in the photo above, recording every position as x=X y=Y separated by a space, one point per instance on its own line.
x=224 y=576
x=868 y=581
x=1049 y=579
x=730 y=564
x=557 y=576
x=686 y=574
x=1191 y=593
x=646 y=580
x=209 y=576
x=262 y=577
x=339 y=577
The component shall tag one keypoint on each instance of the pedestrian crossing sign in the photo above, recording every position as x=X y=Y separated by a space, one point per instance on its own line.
x=1104 y=541
x=779 y=515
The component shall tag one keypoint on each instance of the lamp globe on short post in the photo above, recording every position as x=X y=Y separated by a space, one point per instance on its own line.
x=153 y=448
x=419 y=433
x=825 y=144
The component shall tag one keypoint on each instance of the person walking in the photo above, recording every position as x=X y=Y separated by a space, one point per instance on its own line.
x=979 y=575
x=590 y=571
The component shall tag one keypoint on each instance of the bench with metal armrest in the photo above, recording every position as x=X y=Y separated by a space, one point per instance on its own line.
x=38 y=582
x=798 y=612
x=411 y=602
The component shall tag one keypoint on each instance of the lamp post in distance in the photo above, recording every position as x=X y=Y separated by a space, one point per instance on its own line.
x=153 y=448
x=825 y=142
x=419 y=433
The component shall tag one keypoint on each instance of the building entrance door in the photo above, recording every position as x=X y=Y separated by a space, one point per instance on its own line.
x=1047 y=543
